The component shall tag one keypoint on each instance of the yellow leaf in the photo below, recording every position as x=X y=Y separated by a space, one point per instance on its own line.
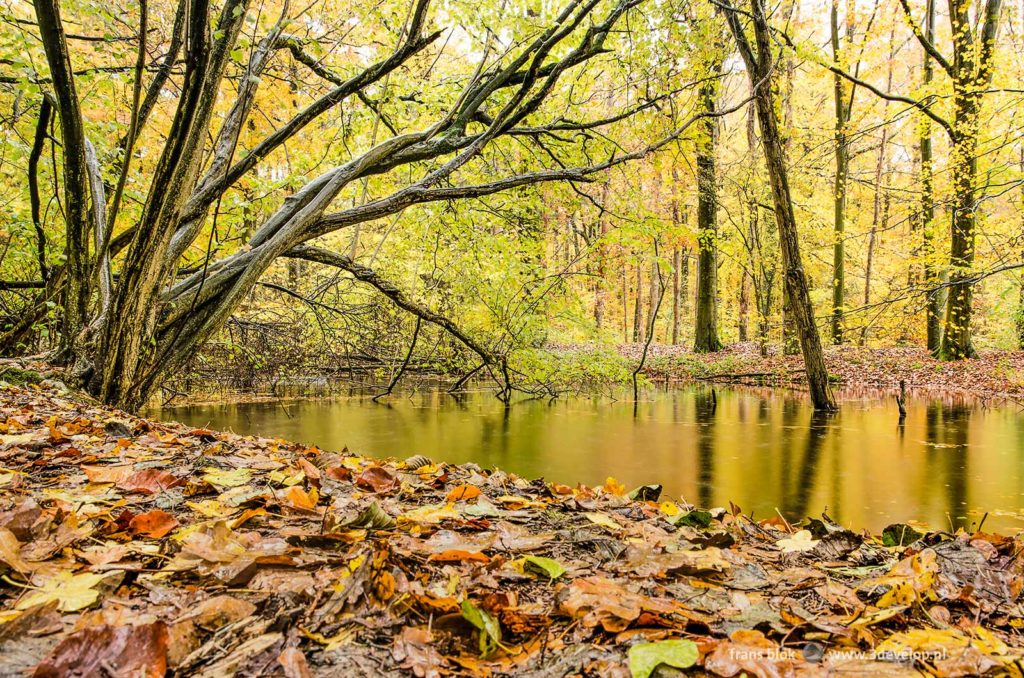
x=603 y=520
x=801 y=541
x=72 y=592
x=670 y=508
x=515 y=503
x=613 y=486
x=431 y=515
x=287 y=479
x=229 y=478
x=210 y=508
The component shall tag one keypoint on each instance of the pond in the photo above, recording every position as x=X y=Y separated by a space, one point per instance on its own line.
x=952 y=461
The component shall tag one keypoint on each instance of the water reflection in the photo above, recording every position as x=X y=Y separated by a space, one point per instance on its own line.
x=951 y=460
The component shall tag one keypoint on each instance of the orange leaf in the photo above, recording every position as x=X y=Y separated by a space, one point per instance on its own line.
x=464 y=492
x=155 y=523
x=459 y=557
x=298 y=498
x=613 y=486
x=150 y=481
x=107 y=473
x=246 y=516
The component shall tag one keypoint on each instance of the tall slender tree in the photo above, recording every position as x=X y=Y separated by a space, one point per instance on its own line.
x=759 y=59
x=706 y=338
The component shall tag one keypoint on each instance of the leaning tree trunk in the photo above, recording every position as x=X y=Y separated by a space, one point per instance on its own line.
x=795 y=278
x=75 y=179
x=706 y=330
x=759 y=69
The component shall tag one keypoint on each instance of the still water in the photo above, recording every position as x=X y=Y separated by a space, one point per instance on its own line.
x=950 y=463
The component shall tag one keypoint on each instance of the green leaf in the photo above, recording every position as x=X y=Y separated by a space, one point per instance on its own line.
x=546 y=566
x=900 y=534
x=693 y=519
x=646 y=493
x=645 y=657
x=371 y=517
x=490 y=629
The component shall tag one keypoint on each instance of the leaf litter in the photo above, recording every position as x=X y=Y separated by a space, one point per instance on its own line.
x=133 y=547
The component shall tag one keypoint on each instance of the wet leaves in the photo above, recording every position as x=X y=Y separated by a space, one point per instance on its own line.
x=106 y=650
x=155 y=549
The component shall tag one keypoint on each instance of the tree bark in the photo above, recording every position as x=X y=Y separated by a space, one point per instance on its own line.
x=676 y=264
x=759 y=69
x=75 y=176
x=638 y=304
x=842 y=112
x=706 y=324
x=971 y=73
x=933 y=310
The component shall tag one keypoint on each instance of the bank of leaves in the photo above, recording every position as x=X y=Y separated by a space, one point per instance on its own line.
x=131 y=547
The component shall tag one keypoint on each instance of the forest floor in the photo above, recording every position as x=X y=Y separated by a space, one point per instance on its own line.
x=993 y=373
x=133 y=547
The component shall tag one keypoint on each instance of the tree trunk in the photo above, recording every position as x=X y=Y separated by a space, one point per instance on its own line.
x=1020 y=299
x=971 y=72
x=676 y=263
x=839 y=187
x=759 y=69
x=880 y=205
x=706 y=325
x=75 y=179
x=638 y=305
x=600 y=285
x=933 y=310
x=744 y=315
x=655 y=293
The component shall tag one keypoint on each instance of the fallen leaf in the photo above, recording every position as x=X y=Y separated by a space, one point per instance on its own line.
x=377 y=479
x=294 y=663
x=548 y=567
x=302 y=500
x=752 y=653
x=431 y=515
x=137 y=651
x=155 y=523
x=463 y=492
x=489 y=630
x=10 y=552
x=801 y=541
x=458 y=557
x=413 y=651
x=150 y=481
x=599 y=601
x=645 y=657
x=235 y=477
x=72 y=592
x=603 y=520
x=107 y=473
x=219 y=611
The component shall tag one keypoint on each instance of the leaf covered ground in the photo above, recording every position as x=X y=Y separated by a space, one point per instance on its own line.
x=130 y=547
x=994 y=373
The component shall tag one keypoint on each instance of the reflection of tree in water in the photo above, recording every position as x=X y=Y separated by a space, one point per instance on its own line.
x=704 y=414
x=947 y=427
x=794 y=501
